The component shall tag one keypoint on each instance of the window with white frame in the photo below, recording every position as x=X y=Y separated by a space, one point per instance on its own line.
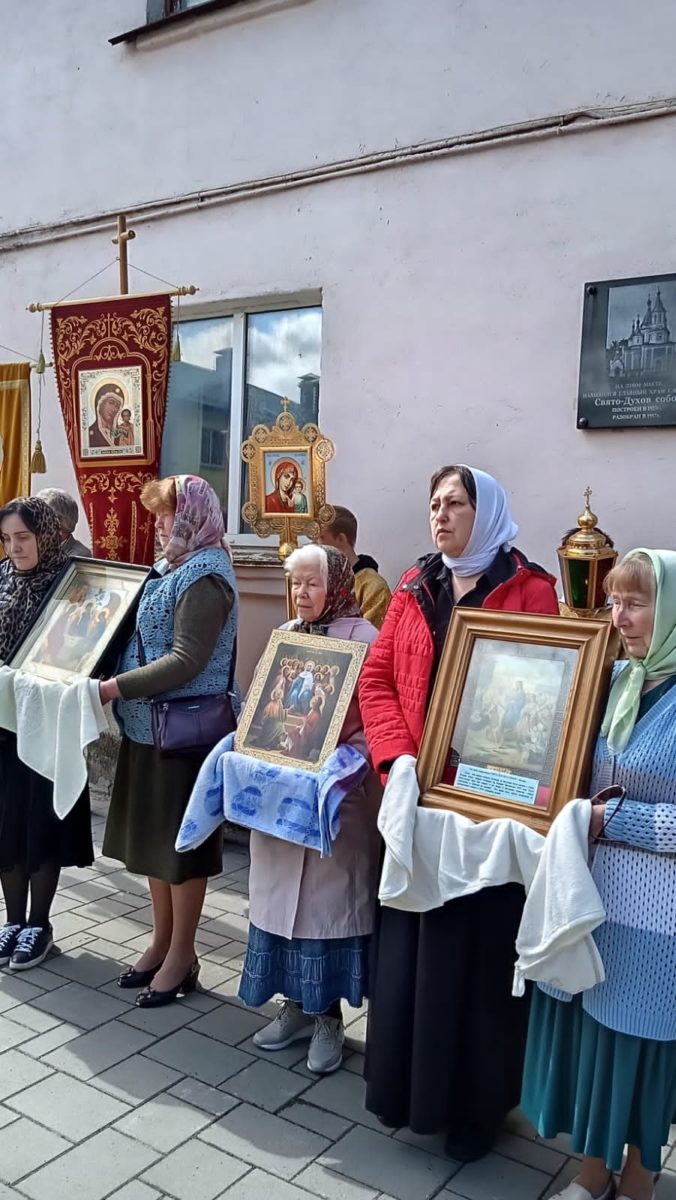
x=158 y=10
x=233 y=374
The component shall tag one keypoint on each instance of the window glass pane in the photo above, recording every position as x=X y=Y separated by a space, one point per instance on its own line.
x=197 y=425
x=283 y=351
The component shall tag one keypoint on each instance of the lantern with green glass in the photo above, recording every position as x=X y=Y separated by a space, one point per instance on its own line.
x=586 y=555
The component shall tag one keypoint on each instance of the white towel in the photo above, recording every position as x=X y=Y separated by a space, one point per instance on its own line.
x=54 y=723
x=563 y=906
x=435 y=855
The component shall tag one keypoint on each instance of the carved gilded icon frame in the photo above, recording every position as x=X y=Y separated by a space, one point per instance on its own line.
x=514 y=714
x=287 y=479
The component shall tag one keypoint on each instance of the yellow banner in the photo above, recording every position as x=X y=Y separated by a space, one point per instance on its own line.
x=15 y=430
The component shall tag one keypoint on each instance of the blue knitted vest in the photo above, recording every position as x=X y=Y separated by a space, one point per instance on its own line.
x=155 y=623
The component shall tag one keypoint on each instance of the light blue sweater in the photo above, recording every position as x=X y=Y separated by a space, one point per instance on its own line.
x=636 y=877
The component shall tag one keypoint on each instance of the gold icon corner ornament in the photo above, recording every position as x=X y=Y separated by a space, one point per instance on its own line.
x=287 y=481
x=586 y=556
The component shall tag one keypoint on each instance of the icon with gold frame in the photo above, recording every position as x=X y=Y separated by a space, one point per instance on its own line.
x=298 y=701
x=287 y=479
x=82 y=622
x=514 y=714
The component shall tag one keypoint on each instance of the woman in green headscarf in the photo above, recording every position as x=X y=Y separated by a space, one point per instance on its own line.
x=602 y=1066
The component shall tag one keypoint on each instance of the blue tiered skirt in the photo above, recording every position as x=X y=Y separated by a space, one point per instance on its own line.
x=315 y=972
x=605 y=1089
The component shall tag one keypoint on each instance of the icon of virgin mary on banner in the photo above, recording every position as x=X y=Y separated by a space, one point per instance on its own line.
x=111 y=359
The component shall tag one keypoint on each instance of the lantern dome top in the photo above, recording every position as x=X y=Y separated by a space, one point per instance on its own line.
x=587 y=541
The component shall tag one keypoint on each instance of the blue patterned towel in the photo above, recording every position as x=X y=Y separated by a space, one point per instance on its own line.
x=285 y=802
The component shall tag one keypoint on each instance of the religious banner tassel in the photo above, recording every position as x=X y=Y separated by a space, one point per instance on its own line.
x=38 y=466
x=176 y=348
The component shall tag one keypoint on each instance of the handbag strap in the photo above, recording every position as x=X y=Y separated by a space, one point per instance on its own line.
x=233 y=659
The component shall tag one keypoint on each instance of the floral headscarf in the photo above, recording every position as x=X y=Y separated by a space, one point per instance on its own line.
x=22 y=592
x=340 y=598
x=198 y=524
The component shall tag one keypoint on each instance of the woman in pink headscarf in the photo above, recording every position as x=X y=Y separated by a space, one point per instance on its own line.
x=184 y=645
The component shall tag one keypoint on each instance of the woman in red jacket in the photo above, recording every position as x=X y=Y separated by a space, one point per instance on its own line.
x=445 y=1040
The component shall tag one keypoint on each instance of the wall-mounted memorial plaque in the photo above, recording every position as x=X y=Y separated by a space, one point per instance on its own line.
x=628 y=356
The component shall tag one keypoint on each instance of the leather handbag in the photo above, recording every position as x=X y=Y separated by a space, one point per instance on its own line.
x=191 y=724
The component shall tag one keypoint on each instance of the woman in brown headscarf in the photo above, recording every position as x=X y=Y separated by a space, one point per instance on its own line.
x=311 y=917
x=34 y=843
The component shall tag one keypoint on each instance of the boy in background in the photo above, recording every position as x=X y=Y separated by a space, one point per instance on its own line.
x=372 y=591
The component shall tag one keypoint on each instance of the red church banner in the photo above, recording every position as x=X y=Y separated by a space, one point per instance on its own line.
x=111 y=359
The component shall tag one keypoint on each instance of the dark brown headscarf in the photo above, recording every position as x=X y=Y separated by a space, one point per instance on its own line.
x=340 y=598
x=22 y=592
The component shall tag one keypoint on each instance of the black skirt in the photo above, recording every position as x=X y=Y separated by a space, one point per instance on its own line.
x=150 y=795
x=31 y=834
x=446 y=1038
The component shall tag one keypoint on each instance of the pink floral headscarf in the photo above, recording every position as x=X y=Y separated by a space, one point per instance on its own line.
x=198 y=524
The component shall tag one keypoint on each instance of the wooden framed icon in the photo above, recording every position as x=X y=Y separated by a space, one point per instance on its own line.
x=514 y=714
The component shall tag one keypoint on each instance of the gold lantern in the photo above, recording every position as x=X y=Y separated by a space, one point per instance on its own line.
x=586 y=555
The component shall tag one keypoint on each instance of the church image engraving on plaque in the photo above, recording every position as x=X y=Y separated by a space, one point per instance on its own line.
x=628 y=354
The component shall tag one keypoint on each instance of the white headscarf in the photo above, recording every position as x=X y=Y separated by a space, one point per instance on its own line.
x=493 y=528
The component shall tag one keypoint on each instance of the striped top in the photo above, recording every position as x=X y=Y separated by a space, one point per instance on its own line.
x=635 y=872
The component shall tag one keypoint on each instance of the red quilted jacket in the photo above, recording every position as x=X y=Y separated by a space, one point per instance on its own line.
x=395 y=679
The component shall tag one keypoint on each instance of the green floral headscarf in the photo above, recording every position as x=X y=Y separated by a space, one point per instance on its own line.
x=659 y=663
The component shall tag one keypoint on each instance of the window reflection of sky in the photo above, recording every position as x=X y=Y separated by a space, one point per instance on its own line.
x=281 y=347
x=200 y=340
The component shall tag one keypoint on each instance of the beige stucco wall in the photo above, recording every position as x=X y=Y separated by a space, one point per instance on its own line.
x=262 y=608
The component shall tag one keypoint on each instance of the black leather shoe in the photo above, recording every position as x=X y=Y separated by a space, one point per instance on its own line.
x=150 y=998
x=131 y=978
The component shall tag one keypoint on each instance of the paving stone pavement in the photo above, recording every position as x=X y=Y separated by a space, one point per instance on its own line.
x=99 y=1099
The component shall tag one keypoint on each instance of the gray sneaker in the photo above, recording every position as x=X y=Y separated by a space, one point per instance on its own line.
x=290 y=1025
x=326 y=1048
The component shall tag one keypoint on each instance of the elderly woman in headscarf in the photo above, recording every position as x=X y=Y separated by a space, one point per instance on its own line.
x=311 y=917
x=445 y=1038
x=186 y=627
x=602 y=1065
x=34 y=843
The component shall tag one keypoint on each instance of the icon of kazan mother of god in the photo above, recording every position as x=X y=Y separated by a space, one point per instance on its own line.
x=107 y=403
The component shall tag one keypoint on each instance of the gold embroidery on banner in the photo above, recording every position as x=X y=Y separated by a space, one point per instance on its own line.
x=113 y=481
x=112 y=543
x=134 y=526
x=112 y=338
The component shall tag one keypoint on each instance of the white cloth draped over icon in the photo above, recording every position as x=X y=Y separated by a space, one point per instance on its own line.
x=435 y=855
x=54 y=723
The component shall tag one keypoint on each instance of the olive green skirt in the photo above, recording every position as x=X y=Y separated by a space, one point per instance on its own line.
x=150 y=795
x=605 y=1089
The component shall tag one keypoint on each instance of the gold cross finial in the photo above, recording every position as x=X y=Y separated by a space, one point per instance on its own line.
x=587 y=495
x=285 y=403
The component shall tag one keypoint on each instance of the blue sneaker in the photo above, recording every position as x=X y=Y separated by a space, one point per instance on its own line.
x=32 y=947
x=9 y=936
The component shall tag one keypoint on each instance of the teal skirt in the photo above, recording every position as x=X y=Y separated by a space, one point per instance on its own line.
x=605 y=1089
